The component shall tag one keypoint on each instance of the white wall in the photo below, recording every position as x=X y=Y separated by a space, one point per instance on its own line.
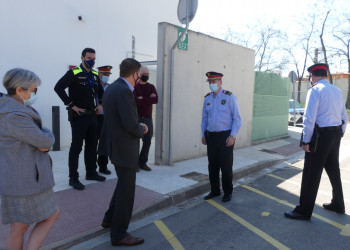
x=204 y=54
x=45 y=36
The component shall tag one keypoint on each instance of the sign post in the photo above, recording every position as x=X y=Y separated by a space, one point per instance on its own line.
x=293 y=77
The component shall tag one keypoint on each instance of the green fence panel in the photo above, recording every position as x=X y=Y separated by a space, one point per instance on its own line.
x=270 y=108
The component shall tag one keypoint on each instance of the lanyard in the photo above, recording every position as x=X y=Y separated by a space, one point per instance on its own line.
x=91 y=82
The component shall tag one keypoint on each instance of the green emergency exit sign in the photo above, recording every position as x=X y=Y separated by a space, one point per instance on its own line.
x=183 y=44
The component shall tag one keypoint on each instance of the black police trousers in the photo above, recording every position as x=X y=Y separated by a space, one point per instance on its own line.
x=146 y=141
x=84 y=128
x=220 y=157
x=326 y=156
x=102 y=160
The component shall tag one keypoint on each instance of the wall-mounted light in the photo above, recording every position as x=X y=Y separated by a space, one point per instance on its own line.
x=80 y=18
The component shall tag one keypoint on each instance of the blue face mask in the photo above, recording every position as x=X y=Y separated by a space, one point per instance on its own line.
x=213 y=87
x=90 y=64
x=31 y=100
x=105 y=79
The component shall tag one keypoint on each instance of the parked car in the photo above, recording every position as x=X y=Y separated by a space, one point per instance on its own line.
x=299 y=112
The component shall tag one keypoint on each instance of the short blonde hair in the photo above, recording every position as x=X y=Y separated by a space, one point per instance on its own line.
x=18 y=77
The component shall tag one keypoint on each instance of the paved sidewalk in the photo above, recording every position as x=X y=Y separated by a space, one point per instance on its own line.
x=164 y=186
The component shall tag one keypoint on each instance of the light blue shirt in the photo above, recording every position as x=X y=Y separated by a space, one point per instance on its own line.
x=324 y=106
x=221 y=113
x=129 y=84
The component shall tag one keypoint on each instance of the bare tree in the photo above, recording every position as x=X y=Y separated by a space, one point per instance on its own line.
x=341 y=33
x=266 y=41
x=303 y=44
x=323 y=46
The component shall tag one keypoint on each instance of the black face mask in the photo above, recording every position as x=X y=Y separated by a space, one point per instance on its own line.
x=144 y=78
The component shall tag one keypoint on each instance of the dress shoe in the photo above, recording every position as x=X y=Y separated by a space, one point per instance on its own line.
x=145 y=167
x=295 y=216
x=76 y=184
x=95 y=177
x=105 y=170
x=128 y=240
x=211 y=195
x=105 y=224
x=332 y=207
x=226 y=197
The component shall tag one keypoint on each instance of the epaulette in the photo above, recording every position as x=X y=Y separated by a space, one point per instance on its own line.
x=228 y=92
x=208 y=94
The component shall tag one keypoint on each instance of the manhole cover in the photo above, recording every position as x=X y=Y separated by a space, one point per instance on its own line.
x=195 y=176
x=268 y=151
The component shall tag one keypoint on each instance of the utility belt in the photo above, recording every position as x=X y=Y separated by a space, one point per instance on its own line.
x=316 y=135
x=332 y=128
x=72 y=115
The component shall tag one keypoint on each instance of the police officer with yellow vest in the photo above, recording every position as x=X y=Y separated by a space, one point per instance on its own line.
x=84 y=103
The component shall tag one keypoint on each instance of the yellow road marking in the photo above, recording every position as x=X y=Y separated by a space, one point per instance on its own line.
x=346 y=230
x=297 y=184
x=323 y=175
x=333 y=223
x=246 y=224
x=169 y=235
x=265 y=214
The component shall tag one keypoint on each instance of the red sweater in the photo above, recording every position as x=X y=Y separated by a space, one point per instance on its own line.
x=144 y=101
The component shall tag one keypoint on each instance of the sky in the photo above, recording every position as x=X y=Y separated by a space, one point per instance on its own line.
x=213 y=17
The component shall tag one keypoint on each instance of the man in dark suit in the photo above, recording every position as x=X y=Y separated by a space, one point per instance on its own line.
x=120 y=139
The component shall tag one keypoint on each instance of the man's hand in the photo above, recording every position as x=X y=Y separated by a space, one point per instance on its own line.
x=230 y=141
x=99 y=109
x=306 y=148
x=78 y=110
x=43 y=149
x=145 y=127
x=204 y=142
x=153 y=95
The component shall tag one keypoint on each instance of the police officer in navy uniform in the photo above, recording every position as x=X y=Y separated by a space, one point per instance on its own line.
x=84 y=103
x=221 y=121
x=102 y=160
x=325 y=120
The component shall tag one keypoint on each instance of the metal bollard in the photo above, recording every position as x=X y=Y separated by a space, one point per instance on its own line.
x=56 y=128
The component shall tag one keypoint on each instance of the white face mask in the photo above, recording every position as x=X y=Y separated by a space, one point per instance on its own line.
x=213 y=87
x=32 y=99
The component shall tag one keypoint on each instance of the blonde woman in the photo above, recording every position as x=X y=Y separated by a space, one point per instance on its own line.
x=26 y=178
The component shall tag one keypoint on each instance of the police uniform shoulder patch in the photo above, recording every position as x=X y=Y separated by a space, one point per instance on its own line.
x=208 y=94
x=228 y=92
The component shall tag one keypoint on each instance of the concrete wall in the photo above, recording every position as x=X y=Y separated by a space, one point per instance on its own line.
x=45 y=36
x=204 y=54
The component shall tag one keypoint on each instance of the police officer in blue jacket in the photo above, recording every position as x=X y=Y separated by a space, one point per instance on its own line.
x=221 y=121
x=325 y=120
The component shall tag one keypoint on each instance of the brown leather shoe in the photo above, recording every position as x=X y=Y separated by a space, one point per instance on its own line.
x=105 y=224
x=128 y=240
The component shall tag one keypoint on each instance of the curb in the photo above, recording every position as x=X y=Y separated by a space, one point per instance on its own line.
x=168 y=200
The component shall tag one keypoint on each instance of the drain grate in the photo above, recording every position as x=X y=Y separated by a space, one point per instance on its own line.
x=195 y=176
x=268 y=151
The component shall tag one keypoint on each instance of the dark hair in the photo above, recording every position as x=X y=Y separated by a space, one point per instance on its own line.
x=128 y=67
x=87 y=50
x=319 y=72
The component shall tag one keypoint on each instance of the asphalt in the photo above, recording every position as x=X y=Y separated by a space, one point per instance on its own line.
x=161 y=188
